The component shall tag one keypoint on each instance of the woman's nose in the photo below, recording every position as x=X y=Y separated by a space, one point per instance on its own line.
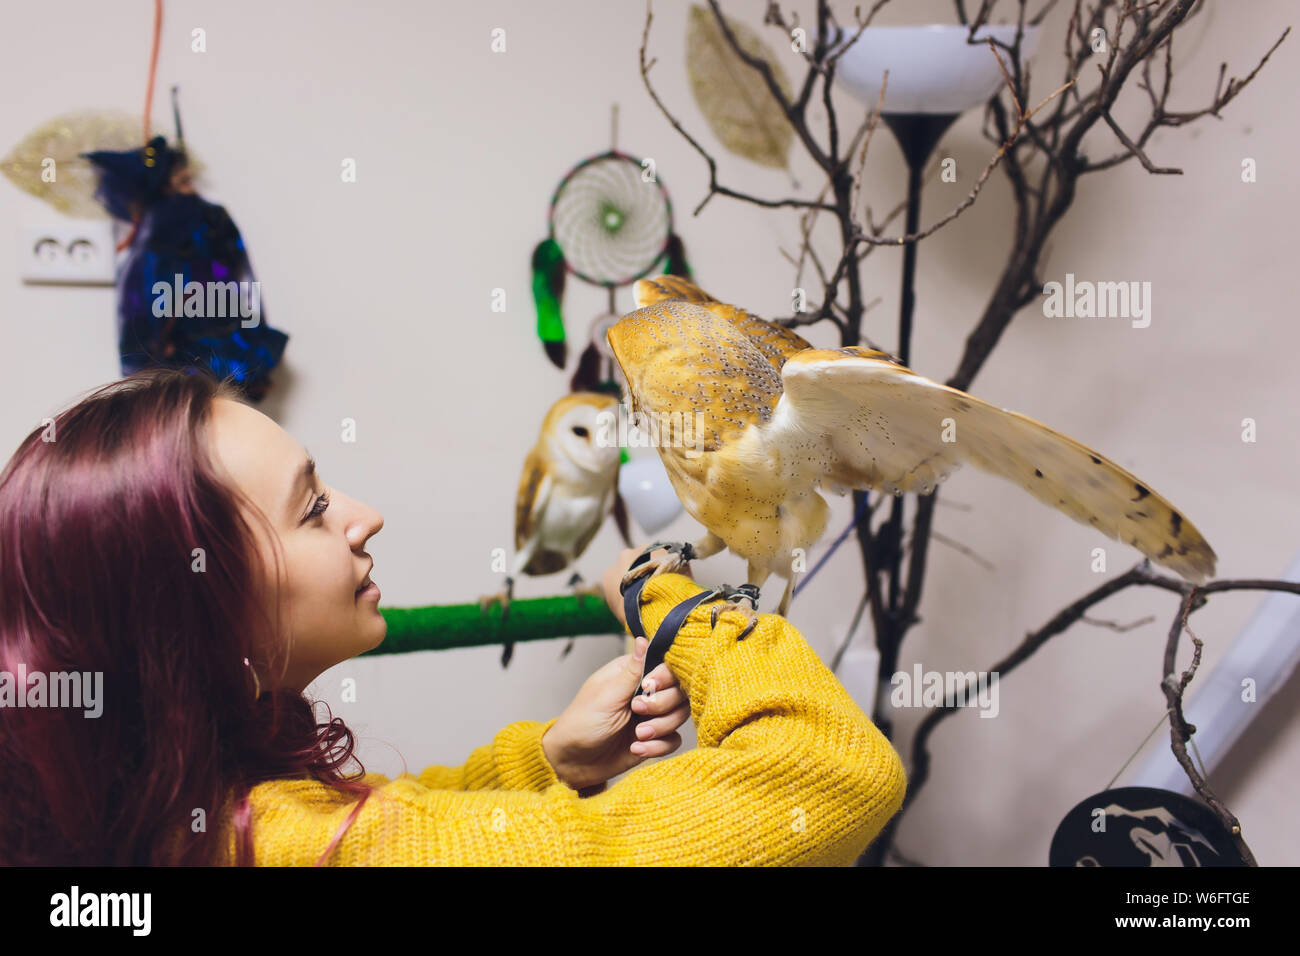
x=364 y=522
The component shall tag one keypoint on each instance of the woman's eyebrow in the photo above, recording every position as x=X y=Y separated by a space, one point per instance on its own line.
x=301 y=477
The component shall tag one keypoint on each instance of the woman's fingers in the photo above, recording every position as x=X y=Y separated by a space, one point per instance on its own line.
x=662 y=677
x=661 y=702
x=659 y=747
x=662 y=726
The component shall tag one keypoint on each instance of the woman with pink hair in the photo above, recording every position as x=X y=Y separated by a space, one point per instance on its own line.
x=165 y=535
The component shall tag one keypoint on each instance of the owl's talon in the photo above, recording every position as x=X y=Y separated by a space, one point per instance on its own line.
x=680 y=554
x=734 y=595
x=684 y=549
x=631 y=577
x=749 y=592
x=488 y=600
x=750 y=614
x=502 y=598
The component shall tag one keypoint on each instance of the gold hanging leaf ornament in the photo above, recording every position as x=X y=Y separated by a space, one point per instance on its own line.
x=47 y=162
x=732 y=95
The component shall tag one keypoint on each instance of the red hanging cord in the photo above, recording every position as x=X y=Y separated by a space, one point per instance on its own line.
x=153 y=64
x=148 y=104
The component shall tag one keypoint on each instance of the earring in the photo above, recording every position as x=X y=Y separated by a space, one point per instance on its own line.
x=257 y=684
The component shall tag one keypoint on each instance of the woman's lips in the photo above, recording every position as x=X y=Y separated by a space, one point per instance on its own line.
x=371 y=590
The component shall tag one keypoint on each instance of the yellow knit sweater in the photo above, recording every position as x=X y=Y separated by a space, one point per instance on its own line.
x=788 y=770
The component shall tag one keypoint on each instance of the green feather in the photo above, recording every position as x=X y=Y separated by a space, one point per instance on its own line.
x=676 y=265
x=548 y=289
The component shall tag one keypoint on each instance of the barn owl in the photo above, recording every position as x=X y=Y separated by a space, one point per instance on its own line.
x=567 y=489
x=779 y=419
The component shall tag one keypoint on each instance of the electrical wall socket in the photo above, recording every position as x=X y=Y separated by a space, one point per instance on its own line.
x=72 y=252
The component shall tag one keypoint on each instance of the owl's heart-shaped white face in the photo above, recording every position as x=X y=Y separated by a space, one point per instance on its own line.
x=588 y=440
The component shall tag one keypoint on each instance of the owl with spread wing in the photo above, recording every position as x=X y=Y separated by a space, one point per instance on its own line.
x=777 y=420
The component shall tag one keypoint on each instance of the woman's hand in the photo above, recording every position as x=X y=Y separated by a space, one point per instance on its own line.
x=598 y=736
x=613 y=577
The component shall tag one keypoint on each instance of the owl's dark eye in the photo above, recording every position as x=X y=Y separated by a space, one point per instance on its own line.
x=580 y=431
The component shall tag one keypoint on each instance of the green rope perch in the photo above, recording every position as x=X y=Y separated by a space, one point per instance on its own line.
x=440 y=627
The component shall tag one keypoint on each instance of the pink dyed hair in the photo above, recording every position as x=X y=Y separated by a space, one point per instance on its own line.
x=100 y=513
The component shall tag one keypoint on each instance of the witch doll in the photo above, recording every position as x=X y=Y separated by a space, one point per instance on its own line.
x=187 y=297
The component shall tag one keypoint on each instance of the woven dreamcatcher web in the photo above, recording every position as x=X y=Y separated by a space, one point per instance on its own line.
x=610 y=223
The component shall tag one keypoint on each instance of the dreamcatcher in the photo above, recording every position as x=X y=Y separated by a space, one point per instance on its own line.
x=610 y=223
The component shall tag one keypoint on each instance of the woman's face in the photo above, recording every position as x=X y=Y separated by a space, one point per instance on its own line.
x=323 y=563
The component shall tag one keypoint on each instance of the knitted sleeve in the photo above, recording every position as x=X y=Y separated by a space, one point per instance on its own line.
x=788 y=770
x=513 y=761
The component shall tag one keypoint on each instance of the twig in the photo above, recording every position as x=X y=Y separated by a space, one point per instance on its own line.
x=714 y=187
x=975 y=191
x=1121 y=628
x=1180 y=731
x=961 y=548
x=1193 y=597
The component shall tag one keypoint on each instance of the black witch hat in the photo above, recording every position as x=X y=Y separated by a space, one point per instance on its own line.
x=138 y=175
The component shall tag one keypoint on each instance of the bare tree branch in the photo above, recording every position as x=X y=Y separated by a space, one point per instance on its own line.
x=1039 y=151
x=1193 y=598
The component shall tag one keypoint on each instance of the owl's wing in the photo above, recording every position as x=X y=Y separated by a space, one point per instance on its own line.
x=884 y=426
x=584 y=539
x=776 y=342
x=534 y=489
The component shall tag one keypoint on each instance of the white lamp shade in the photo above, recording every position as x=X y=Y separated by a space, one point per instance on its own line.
x=650 y=497
x=932 y=69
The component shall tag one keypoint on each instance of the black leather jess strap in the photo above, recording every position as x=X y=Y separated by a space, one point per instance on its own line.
x=670 y=625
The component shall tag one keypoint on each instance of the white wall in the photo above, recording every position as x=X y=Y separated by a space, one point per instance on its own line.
x=384 y=287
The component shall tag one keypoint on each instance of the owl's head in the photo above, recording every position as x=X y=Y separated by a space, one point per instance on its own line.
x=583 y=426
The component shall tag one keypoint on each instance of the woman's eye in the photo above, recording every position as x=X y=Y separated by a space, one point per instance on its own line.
x=318 y=509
